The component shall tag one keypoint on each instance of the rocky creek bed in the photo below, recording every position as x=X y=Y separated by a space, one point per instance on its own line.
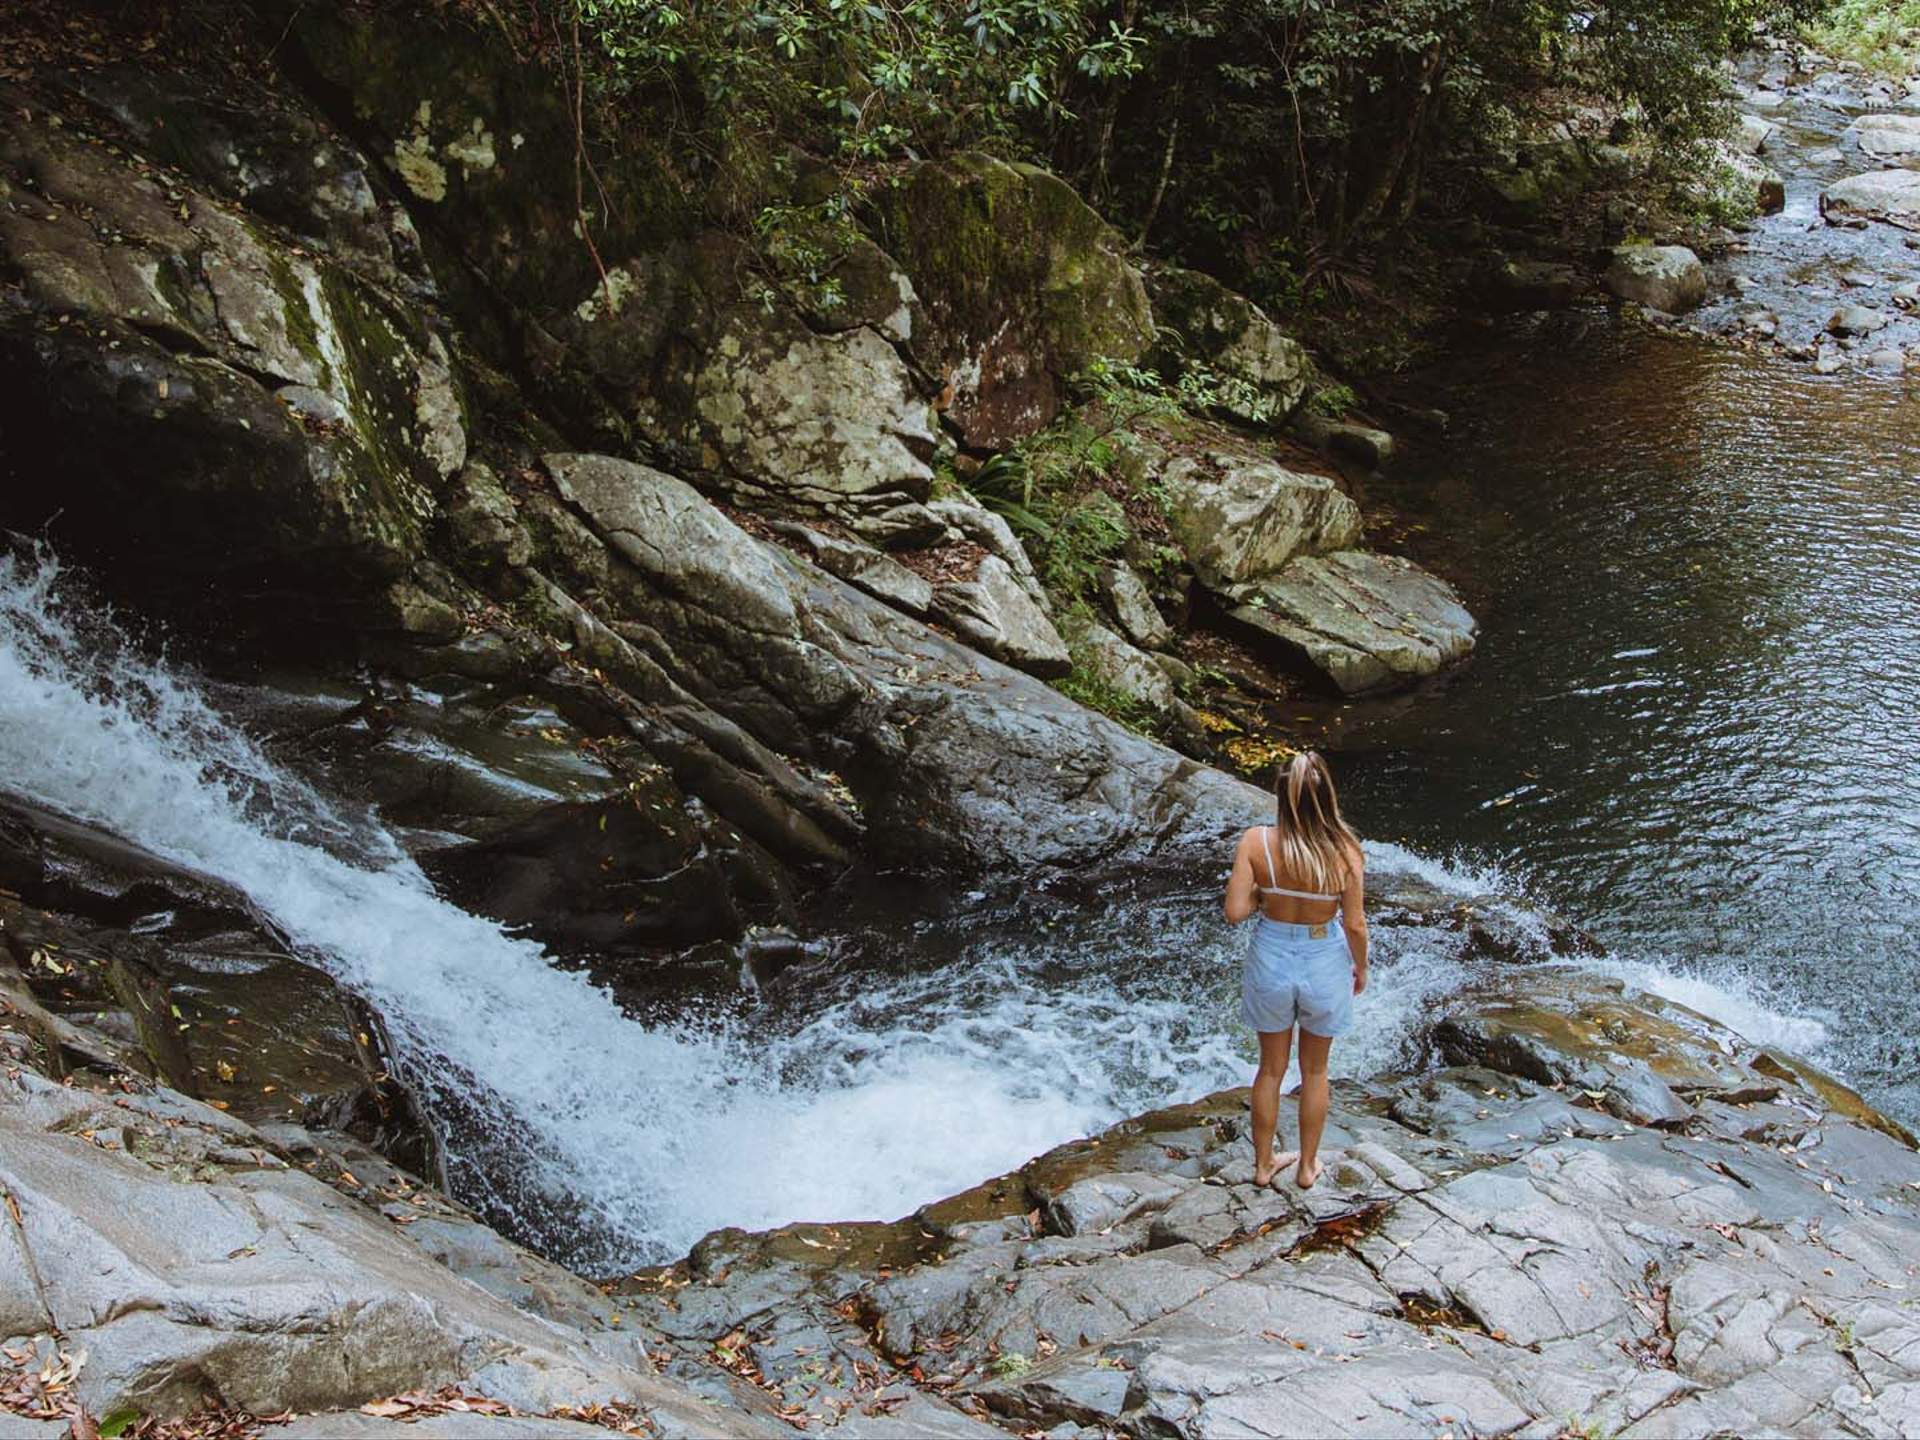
x=1595 y=1213
x=652 y=609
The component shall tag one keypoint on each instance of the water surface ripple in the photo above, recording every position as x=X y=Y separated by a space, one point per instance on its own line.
x=1690 y=722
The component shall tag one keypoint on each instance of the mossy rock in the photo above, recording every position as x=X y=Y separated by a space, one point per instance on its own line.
x=1024 y=287
x=484 y=153
x=1202 y=322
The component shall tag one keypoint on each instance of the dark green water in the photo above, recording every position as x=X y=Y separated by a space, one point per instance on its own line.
x=1691 y=718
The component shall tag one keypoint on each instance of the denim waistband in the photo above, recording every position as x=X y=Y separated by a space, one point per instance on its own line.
x=1288 y=930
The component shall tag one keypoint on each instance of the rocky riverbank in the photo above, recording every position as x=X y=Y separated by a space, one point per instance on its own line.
x=650 y=595
x=1594 y=1213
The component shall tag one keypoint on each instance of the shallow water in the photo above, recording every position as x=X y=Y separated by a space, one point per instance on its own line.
x=1690 y=722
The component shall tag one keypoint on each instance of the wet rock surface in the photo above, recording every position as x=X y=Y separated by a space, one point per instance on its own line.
x=1662 y=277
x=1370 y=622
x=196 y=1261
x=1520 y=1242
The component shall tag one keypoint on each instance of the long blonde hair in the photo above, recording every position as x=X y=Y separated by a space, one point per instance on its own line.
x=1312 y=840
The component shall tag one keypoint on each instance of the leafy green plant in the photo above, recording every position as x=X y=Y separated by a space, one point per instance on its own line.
x=1009 y=1364
x=1086 y=686
x=1332 y=401
x=1883 y=35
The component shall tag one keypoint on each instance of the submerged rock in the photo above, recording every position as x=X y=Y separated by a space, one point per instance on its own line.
x=1369 y=622
x=1669 y=278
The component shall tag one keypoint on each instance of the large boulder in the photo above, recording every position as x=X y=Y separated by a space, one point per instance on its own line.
x=952 y=757
x=1240 y=515
x=195 y=1267
x=803 y=420
x=1889 y=195
x=1368 y=622
x=1023 y=285
x=1661 y=277
x=196 y=395
x=1891 y=136
x=484 y=160
x=1199 y=319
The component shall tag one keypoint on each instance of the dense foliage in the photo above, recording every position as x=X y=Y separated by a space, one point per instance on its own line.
x=1269 y=139
x=1882 y=34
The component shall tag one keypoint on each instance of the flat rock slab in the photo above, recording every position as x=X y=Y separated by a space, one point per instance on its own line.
x=1886 y=137
x=1369 y=622
x=194 y=1265
x=1489 y=1252
x=1889 y=195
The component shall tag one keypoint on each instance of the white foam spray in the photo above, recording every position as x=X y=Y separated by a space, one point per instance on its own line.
x=619 y=1143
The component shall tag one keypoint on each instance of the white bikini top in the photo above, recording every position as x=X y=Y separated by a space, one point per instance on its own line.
x=1266 y=844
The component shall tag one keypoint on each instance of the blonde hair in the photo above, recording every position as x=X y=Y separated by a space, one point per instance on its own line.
x=1312 y=841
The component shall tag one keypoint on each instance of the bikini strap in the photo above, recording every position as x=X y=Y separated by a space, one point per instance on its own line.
x=1273 y=874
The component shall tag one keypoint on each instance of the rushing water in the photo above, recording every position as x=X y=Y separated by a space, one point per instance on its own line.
x=928 y=1058
x=1691 y=719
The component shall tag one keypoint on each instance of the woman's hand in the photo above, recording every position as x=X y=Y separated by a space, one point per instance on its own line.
x=1359 y=977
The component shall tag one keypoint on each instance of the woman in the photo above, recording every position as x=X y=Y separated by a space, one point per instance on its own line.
x=1298 y=875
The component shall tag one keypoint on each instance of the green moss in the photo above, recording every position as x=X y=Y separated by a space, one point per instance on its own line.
x=298 y=310
x=386 y=489
x=987 y=241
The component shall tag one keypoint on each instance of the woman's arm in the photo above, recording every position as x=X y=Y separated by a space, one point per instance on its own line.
x=1353 y=916
x=1241 y=884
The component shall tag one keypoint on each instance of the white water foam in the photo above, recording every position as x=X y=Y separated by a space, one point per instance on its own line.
x=618 y=1143
x=640 y=1139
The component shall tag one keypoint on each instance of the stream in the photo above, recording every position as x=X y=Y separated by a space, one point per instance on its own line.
x=1688 y=726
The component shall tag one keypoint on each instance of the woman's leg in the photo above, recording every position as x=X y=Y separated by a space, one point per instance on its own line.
x=1313 y=1104
x=1274 y=1045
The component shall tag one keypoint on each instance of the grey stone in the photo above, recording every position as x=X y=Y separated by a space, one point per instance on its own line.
x=1201 y=320
x=1888 y=136
x=1240 y=517
x=1139 y=618
x=1369 y=622
x=190 y=1272
x=874 y=571
x=1347 y=440
x=996 y=614
x=1856 y=320
x=1669 y=278
x=832 y=422
x=1889 y=195
x=1129 y=671
x=1754 y=133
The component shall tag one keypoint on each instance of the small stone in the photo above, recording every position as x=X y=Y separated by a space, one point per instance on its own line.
x=1856 y=320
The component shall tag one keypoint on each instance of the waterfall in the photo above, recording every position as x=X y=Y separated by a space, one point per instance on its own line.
x=611 y=1142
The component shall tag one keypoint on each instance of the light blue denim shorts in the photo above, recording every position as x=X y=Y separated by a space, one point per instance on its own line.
x=1294 y=978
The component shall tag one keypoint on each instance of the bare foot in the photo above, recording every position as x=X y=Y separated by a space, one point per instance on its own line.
x=1307 y=1174
x=1263 y=1174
